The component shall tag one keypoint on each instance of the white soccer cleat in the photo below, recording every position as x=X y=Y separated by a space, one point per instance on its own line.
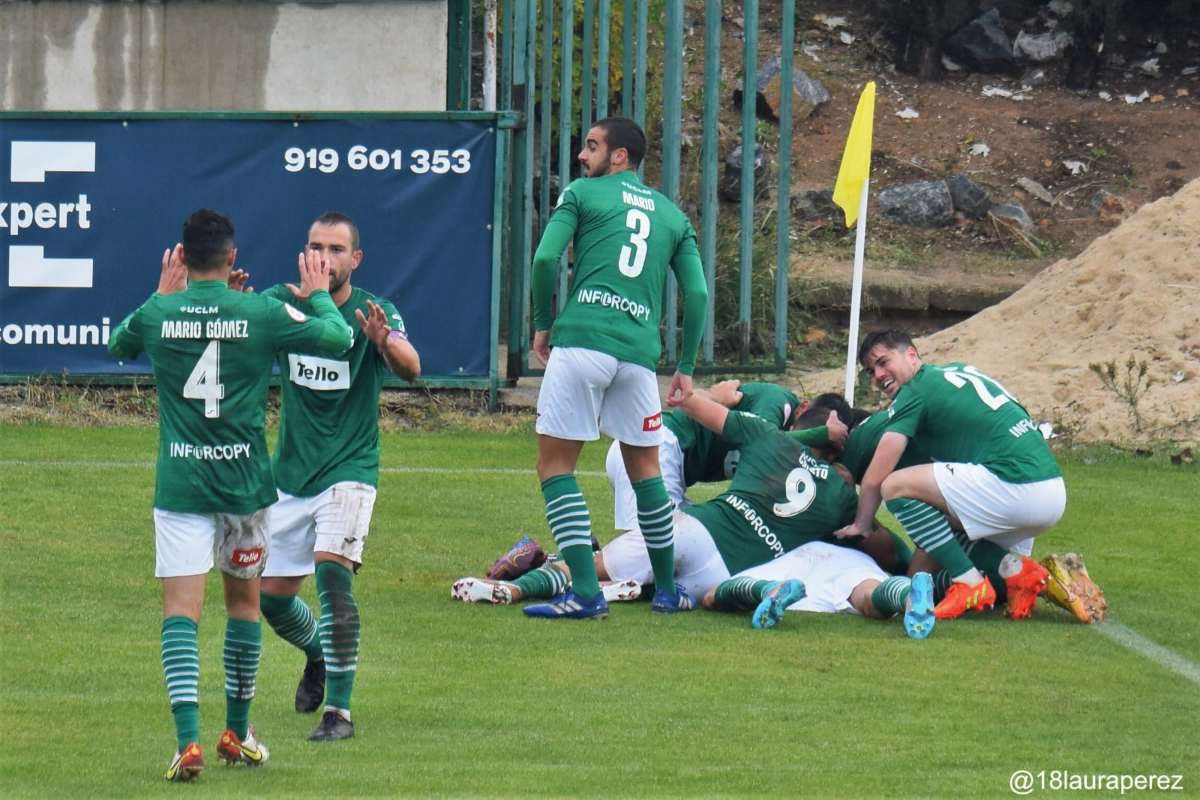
x=478 y=590
x=621 y=591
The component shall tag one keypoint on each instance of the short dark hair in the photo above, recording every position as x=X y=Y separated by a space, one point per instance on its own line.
x=832 y=401
x=624 y=132
x=338 y=218
x=207 y=240
x=891 y=339
x=814 y=417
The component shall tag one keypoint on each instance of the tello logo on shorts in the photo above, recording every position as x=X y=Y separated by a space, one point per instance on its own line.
x=652 y=423
x=246 y=558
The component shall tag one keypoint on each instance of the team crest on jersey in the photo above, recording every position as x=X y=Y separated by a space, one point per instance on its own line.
x=248 y=557
x=652 y=423
x=296 y=314
x=318 y=374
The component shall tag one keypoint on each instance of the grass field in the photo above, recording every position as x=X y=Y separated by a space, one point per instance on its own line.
x=454 y=700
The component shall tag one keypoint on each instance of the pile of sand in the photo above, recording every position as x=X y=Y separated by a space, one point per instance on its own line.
x=1134 y=292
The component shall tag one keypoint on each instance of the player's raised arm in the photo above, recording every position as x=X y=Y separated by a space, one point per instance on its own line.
x=708 y=412
x=883 y=463
x=401 y=357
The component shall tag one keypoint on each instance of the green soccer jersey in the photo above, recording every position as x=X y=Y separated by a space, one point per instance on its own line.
x=860 y=447
x=626 y=237
x=708 y=457
x=782 y=496
x=957 y=414
x=329 y=426
x=212 y=349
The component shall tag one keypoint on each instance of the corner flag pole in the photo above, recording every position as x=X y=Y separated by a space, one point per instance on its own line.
x=850 y=192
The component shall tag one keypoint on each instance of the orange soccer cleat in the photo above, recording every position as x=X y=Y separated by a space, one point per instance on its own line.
x=186 y=765
x=1024 y=588
x=961 y=598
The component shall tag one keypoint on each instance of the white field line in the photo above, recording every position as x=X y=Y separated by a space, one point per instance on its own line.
x=1168 y=659
x=13 y=462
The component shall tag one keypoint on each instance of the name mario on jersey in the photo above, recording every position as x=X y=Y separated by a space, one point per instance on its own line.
x=205 y=329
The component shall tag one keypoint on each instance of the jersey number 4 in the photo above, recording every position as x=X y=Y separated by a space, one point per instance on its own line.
x=205 y=381
x=633 y=255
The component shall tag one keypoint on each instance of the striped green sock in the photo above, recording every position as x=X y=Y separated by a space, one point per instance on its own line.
x=291 y=619
x=541 y=583
x=930 y=530
x=890 y=596
x=243 y=647
x=741 y=594
x=181 y=667
x=655 y=510
x=571 y=525
x=339 y=629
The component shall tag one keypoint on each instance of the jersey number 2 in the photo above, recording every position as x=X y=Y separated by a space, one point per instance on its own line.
x=633 y=255
x=204 y=382
x=976 y=378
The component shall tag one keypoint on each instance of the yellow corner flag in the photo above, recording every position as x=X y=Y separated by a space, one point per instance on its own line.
x=856 y=158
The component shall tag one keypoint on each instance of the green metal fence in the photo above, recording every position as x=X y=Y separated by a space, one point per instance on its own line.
x=536 y=35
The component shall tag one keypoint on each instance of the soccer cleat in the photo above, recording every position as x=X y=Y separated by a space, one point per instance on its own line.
x=477 y=590
x=666 y=603
x=522 y=557
x=568 y=606
x=311 y=690
x=1069 y=586
x=961 y=598
x=919 y=618
x=778 y=597
x=1024 y=588
x=620 y=591
x=332 y=728
x=248 y=751
x=186 y=765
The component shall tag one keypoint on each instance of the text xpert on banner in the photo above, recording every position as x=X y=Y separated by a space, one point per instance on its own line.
x=88 y=205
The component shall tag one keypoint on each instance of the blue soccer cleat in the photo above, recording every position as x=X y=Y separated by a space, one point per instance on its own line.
x=778 y=597
x=568 y=606
x=668 y=603
x=919 y=618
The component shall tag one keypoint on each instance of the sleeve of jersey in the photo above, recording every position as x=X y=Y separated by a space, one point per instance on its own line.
x=812 y=437
x=689 y=272
x=326 y=333
x=772 y=403
x=126 y=339
x=555 y=239
x=741 y=428
x=905 y=414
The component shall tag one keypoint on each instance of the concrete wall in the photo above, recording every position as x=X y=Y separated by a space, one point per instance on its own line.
x=57 y=55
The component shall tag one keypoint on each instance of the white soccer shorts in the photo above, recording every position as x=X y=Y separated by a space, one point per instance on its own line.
x=829 y=573
x=184 y=543
x=335 y=521
x=670 y=461
x=585 y=392
x=993 y=509
x=698 y=563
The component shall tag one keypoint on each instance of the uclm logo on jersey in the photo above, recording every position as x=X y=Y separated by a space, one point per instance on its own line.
x=246 y=558
x=652 y=423
x=318 y=374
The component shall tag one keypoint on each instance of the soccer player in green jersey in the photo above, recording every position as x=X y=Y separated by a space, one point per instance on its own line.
x=992 y=476
x=327 y=468
x=212 y=348
x=600 y=375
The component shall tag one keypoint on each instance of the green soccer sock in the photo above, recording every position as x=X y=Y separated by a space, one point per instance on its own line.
x=930 y=530
x=986 y=556
x=655 y=519
x=289 y=617
x=890 y=596
x=339 y=629
x=181 y=667
x=243 y=647
x=541 y=583
x=741 y=594
x=567 y=513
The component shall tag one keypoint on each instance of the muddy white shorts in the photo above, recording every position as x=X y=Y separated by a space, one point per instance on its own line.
x=184 y=543
x=334 y=521
x=698 y=564
x=670 y=461
x=829 y=573
x=993 y=509
x=585 y=392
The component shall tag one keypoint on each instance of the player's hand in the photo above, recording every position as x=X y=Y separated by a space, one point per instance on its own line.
x=851 y=531
x=374 y=324
x=173 y=277
x=727 y=393
x=541 y=346
x=681 y=389
x=837 y=429
x=238 y=279
x=314 y=275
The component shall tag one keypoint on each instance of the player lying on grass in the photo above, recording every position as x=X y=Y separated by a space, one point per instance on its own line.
x=955 y=450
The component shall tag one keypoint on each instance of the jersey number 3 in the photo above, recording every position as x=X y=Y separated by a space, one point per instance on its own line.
x=633 y=255
x=204 y=382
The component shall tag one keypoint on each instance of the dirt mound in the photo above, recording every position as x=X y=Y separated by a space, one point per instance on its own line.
x=1133 y=293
